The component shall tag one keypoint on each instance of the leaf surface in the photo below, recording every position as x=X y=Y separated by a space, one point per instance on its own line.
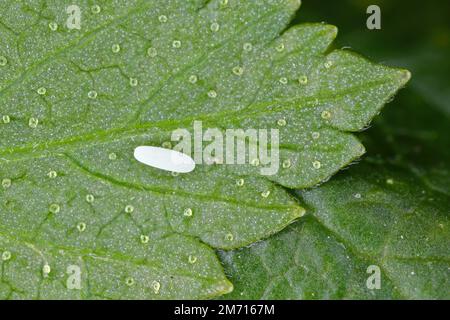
x=75 y=103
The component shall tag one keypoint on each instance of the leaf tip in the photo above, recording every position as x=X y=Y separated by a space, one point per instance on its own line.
x=294 y=4
x=223 y=287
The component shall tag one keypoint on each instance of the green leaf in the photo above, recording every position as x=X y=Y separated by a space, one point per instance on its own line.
x=75 y=103
x=375 y=215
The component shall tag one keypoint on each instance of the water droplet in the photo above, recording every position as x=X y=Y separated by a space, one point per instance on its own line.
x=193 y=79
x=33 y=122
x=52 y=174
x=326 y=114
x=112 y=156
x=265 y=194
x=328 y=64
x=192 y=259
x=317 y=164
x=156 y=286
x=286 y=163
x=162 y=18
x=315 y=135
x=81 y=226
x=303 y=80
x=54 y=208
x=41 y=91
x=92 y=94
x=144 y=238
x=188 y=212
x=248 y=47
x=46 y=270
x=96 y=9
x=53 y=26
x=281 y=122
x=115 y=48
x=152 y=52
x=167 y=145
x=129 y=209
x=3 y=61
x=215 y=27
x=240 y=182
x=6 y=183
x=280 y=47
x=229 y=237
x=90 y=198
x=129 y=281
x=212 y=94
x=6 y=119
x=6 y=255
x=390 y=181
x=283 y=80
x=176 y=44
x=255 y=162
x=238 y=71
x=133 y=82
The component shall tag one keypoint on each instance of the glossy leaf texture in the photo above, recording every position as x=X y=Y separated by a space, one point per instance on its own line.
x=74 y=104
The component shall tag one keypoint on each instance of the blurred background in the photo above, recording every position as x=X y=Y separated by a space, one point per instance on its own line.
x=414 y=129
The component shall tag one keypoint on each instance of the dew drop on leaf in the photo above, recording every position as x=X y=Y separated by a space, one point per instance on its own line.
x=3 y=61
x=192 y=259
x=280 y=47
x=92 y=94
x=176 y=44
x=90 y=198
x=46 y=270
x=248 y=46
x=144 y=239
x=156 y=286
x=33 y=122
x=115 y=48
x=265 y=194
x=54 y=208
x=326 y=114
x=52 y=174
x=303 y=80
x=129 y=281
x=238 y=71
x=286 y=163
x=212 y=94
x=188 y=212
x=229 y=237
x=193 y=79
x=112 y=156
x=6 y=119
x=81 y=226
x=162 y=18
x=133 y=82
x=6 y=183
x=6 y=255
x=152 y=52
x=96 y=9
x=317 y=164
x=53 y=26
